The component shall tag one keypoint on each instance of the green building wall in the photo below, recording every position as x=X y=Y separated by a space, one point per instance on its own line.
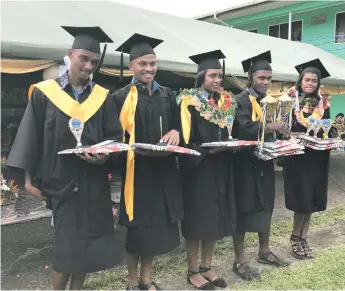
x=337 y=105
x=320 y=35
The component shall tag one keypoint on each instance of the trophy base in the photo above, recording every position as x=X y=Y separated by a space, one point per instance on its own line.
x=80 y=146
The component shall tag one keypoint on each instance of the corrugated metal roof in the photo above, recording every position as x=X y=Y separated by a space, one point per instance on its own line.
x=32 y=30
x=249 y=7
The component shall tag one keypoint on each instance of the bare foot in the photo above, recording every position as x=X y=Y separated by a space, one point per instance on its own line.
x=210 y=275
x=197 y=280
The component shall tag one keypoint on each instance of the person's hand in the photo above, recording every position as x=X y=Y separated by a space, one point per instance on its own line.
x=280 y=127
x=33 y=190
x=172 y=137
x=94 y=159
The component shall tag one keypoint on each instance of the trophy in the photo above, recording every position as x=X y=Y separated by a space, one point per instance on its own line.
x=161 y=142
x=316 y=127
x=270 y=106
x=229 y=124
x=76 y=126
x=285 y=107
x=269 y=112
x=326 y=126
x=310 y=124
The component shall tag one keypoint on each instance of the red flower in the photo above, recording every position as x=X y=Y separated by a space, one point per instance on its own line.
x=227 y=104
x=227 y=101
x=212 y=103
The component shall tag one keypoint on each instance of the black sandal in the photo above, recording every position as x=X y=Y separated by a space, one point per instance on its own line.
x=309 y=254
x=248 y=274
x=148 y=286
x=218 y=282
x=205 y=286
x=278 y=262
x=297 y=247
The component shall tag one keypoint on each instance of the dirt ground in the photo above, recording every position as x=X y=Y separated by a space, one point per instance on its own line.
x=26 y=247
x=333 y=235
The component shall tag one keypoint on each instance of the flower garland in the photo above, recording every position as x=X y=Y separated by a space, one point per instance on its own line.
x=312 y=106
x=308 y=104
x=219 y=113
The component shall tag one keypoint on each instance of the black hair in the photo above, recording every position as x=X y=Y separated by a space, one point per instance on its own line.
x=312 y=70
x=200 y=79
x=259 y=65
x=339 y=114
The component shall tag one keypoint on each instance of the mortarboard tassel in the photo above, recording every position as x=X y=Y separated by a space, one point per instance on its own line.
x=99 y=65
x=223 y=72
x=121 y=68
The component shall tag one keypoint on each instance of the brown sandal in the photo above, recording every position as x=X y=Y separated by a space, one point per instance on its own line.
x=297 y=247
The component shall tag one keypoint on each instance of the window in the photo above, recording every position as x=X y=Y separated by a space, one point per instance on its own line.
x=340 y=27
x=253 y=30
x=282 y=30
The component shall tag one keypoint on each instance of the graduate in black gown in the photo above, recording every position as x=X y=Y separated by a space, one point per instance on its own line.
x=76 y=186
x=254 y=178
x=209 y=202
x=151 y=202
x=306 y=176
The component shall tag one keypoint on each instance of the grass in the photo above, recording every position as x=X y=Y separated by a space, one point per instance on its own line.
x=281 y=229
x=168 y=267
x=326 y=272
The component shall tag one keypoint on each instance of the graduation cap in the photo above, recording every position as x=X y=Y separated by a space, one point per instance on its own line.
x=209 y=60
x=257 y=63
x=89 y=38
x=316 y=63
x=136 y=46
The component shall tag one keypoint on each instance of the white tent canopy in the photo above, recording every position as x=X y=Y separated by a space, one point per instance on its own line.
x=32 y=29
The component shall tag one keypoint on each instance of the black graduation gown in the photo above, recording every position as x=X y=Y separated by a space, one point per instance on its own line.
x=207 y=180
x=84 y=238
x=254 y=178
x=306 y=178
x=158 y=204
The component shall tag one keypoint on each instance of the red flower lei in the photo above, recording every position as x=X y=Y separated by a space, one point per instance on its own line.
x=227 y=101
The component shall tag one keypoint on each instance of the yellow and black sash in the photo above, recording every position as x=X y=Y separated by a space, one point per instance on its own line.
x=127 y=120
x=256 y=109
x=187 y=100
x=84 y=111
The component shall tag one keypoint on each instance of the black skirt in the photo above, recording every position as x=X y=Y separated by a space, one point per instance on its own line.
x=79 y=255
x=209 y=199
x=306 y=181
x=152 y=240
x=253 y=221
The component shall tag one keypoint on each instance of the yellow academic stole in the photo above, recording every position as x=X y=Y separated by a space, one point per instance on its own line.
x=256 y=109
x=68 y=105
x=127 y=120
x=189 y=100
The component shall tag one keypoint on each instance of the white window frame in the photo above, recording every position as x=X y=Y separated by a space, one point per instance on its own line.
x=335 y=28
x=268 y=33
